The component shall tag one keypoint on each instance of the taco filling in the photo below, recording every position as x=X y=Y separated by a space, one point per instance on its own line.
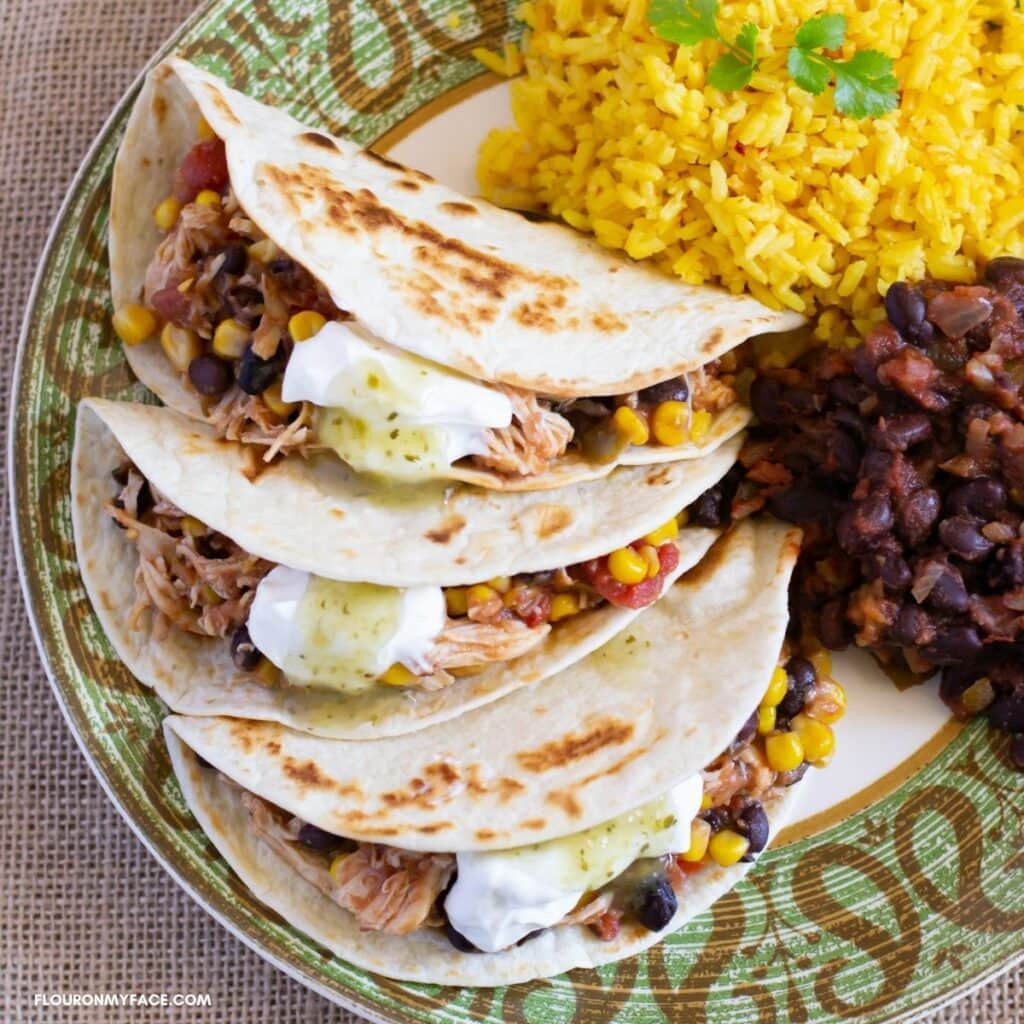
x=286 y=625
x=631 y=868
x=275 y=362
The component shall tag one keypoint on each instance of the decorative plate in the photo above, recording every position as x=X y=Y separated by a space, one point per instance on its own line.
x=901 y=887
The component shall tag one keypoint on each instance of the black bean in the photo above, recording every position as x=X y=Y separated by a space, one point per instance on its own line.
x=846 y=390
x=235 y=259
x=764 y=400
x=801 y=503
x=983 y=496
x=892 y=569
x=282 y=266
x=963 y=537
x=1007 y=710
x=842 y=455
x=716 y=817
x=1017 y=750
x=798 y=402
x=1006 y=570
x=255 y=375
x=318 y=839
x=710 y=509
x=793 y=776
x=1005 y=270
x=912 y=626
x=861 y=525
x=654 y=902
x=243 y=651
x=898 y=433
x=948 y=593
x=917 y=514
x=753 y=823
x=953 y=644
x=458 y=940
x=210 y=375
x=246 y=305
x=747 y=732
x=800 y=677
x=905 y=308
x=674 y=390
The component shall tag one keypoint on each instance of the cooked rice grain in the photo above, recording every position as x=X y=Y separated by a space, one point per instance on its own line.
x=768 y=189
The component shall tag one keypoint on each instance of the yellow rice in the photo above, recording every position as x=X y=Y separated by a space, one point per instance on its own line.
x=768 y=189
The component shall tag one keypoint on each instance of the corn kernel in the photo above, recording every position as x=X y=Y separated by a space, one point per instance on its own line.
x=231 y=339
x=480 y=593
x=700 y=425
x=398 y=675
x=668 y=423
x=266 y=671
x=502 y=584
x=822 y=662
x=777 y=688
x=455 y=600
x=204 y=131
x=562 y=606
x=664 y=533
x=264 y=250
x=166 y=214
x=784 y=751
x=180 y=345
x=765 y=720
x=728 y=847
x=275 y=403
x=192 y=527
x=627 y=566
x=706 y=803
x=133 y=323
x=816 y=738
x=302 y=326
x=208 y=198
x=700 y=836
x=829 y=703
x=650 y=556
x=631 y=425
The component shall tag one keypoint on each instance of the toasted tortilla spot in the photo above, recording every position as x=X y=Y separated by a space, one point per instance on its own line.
x=485 y=834
x=534 y=823
x=713 y=340
x=319 y=139
x=273 y=748
x=444 y=533
x=159 y=108
x=605 y=732
x=443 y=770
x=218 y=101
x=459 y=209
x=438 y=826
x=306 y=774
x=553 y=519
x=383 y=160
x=609 y=323
x=409 y=186
x=659 y=476
x=566 y=801
x=338 y=513
x=242 y=731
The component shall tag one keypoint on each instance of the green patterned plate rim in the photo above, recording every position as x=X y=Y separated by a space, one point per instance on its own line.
x=897 y=908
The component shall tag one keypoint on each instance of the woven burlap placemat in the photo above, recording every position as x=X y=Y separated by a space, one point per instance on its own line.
x=84 y=907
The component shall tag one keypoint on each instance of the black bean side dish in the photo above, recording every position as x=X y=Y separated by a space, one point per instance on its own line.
x=903 y=460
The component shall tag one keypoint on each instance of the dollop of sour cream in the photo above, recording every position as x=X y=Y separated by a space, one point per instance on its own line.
x=342 y=636
x=500 y=896
x=388 y=412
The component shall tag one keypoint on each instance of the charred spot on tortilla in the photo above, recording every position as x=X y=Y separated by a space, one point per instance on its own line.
x=159 y=108
x=443 y=770
x=573 y=747
x=319 y=140
x=459 y=209
x=444 y=533
x=660 y=476
x=218 y=101
x=409 y=186
x=485 y=834
x=306 y=774
x=437 y=826
x=337 y=513
x=244 y=733
x=533 y=824
x=552 y=519
x=712 y=341
x=273 y=748
x=566 y=801
x=384 y=161
x=606 y=321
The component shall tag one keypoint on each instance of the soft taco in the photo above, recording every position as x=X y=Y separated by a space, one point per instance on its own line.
x=299 y=293
x=569 y=825
x=304 y=596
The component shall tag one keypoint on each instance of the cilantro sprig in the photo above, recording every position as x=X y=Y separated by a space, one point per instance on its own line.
x=864 y=85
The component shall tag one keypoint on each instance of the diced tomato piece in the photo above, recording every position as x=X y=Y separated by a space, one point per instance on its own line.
x=171 y=305
x=689 y=867
x=532 y=605
x=205 y=167
x=606 y=927
x=630 y=595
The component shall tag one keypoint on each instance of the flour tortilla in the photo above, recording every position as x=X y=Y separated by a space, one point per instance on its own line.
x=425 y=955
x=453 y=279
x=647 y=710
x=344 y=531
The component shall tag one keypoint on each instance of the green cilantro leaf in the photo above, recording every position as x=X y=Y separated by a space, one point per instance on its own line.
x=730 y=72
x=826 y=32
x=865 y=85
x=811 y=75
x=746 y=39
x=686 y=22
